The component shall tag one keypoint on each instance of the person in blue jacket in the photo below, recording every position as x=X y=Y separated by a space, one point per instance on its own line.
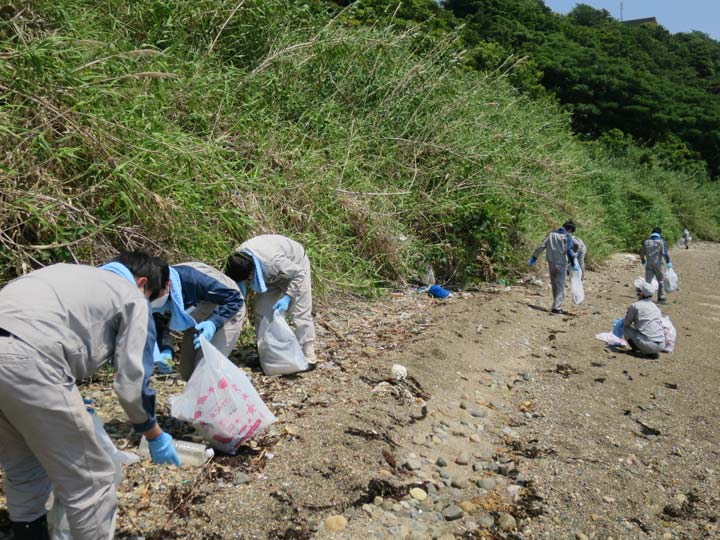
x=199 y=301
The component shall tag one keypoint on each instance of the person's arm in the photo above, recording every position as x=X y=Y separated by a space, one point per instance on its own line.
x=284 y=268
x=570 y=252
x=630 y=316
x=199 y=286
x=642 y=253
x=541 y=247
x=666 y=253
x=134 y=362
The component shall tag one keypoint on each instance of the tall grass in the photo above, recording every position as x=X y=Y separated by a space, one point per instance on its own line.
x=188 y=126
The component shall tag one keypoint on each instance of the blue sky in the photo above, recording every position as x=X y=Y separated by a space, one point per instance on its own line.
x=675 y=15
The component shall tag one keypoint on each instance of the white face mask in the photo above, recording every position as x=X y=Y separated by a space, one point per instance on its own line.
x=160 y=301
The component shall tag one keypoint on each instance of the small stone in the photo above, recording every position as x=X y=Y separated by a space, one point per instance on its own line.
x=487 y=522
x=506 y=522
x=464 y=405
x=441 y=462
x=241 y=478
x=475 y=438
x=387 y=505
x=418 y=494
x=467 y=506
x=487 y=483
x=462 y=459
x=377 y=501
x=397 y=507
x=460 y=483
x=580 y=536
x=419 y=439
x=608 y=500
x=444 y=473
x=478 y=413
x=335 y=523
x=413 y=464
x=667 y=536
x=453 y=512
x=478 y=466
x=594 y=517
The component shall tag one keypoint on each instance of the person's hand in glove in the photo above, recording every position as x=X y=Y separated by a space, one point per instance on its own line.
x=669 y=266
x=283 y=304
x=204 y=329
x=163 y=451
x=575 y=266
x=532 y=261
x=164 y=364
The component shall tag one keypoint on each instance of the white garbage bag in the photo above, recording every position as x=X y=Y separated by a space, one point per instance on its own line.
x=278 y=348
x=670 y=335
x=671 y=281
x=576 y=284
x=221 y=403
x=58 y=525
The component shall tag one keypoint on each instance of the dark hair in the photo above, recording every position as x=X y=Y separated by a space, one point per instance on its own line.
x=657 y=230
x=142 y=264
x=239 y=266
x=569 y=226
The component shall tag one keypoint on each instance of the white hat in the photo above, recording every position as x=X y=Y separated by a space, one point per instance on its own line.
x=648 y=289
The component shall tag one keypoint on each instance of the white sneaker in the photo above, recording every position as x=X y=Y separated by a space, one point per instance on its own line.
x=310 y=355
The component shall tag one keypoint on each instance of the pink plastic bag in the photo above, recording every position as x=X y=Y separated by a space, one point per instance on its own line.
x=221 y=403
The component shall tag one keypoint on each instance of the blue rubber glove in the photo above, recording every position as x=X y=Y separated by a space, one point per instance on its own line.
x=164 y=364
x=163 y=451
x=205 y=329
x=575 y=266
x=532 y=261
x=669 y=265
x=283 y=304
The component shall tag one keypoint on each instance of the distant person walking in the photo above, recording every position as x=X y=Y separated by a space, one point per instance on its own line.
x=652 y=253
x=559 y=251
x=686 y=238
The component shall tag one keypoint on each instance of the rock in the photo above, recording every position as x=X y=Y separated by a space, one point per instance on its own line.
x=377 y=501
x=444 y=473
x=467 y=506
x=460 y=483
x=492 y=466
x=463 y=459
x=478 y=413
x=418 y=494
x=594 y=517
x=441 y=462
x=447 y=537
x=608 y=500
x=487 y=483
x=486 y=521
x=335 y=523
x=464 y=405
x=580 y=536
x=241 y=478
x=475 y=438
x=387 y=505
x=453 y=512
x=413 y=464
x=478 y=466
x=419 y=439
x=506 y=522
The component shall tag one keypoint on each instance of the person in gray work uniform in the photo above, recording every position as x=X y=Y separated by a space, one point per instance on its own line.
x=279 y=272
x=652 y=253
x=581 y=252
x=559 y=250
x=58 y=325
x=642 y=326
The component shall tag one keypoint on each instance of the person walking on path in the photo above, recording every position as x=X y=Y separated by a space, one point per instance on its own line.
x=559 y=251
x=642 y=326
x=279 y=273
x=686 y=238
x=59 y=325
x=652 y=253
x=218 y=314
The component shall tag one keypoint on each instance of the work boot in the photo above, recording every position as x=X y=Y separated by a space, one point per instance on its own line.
x=31 y=530
x=309 y=352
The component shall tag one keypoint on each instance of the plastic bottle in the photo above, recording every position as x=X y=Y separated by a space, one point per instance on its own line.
x=191 y=454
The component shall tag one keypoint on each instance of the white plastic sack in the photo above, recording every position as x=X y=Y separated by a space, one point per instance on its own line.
x=611 y=339
x=578 y=292
x=278 y=348
x=221 y=403
x=670 y=335
x=671 y=280
x=58 y=525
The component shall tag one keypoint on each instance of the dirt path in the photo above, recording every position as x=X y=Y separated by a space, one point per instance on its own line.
x=513 y=424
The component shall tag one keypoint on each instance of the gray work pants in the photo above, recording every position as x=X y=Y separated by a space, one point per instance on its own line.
x=224 y=339
x=47 y=443
x=558 y=275
x=641 y=342
x=300 y=309
x=657 y=273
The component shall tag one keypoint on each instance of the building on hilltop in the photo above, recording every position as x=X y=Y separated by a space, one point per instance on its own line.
x=646 y=20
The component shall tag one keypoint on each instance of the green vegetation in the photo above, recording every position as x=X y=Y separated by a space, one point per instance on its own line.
x=188 y=125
